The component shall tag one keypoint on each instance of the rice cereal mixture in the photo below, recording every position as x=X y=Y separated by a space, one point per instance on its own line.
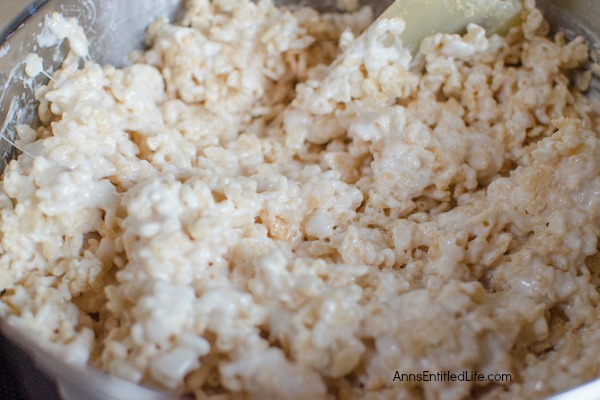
x=263 y=207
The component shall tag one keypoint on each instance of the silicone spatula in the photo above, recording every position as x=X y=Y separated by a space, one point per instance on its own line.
x=426 y=17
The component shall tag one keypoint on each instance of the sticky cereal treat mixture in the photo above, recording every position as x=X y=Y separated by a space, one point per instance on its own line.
x=262 y=206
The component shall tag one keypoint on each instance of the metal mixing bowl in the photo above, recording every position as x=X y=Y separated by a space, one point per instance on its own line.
x=115 y=28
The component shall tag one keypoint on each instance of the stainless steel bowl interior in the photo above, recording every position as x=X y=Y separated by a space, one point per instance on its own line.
x=115 y=28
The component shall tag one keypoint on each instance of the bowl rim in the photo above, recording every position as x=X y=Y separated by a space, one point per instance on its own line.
x=13 y=16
